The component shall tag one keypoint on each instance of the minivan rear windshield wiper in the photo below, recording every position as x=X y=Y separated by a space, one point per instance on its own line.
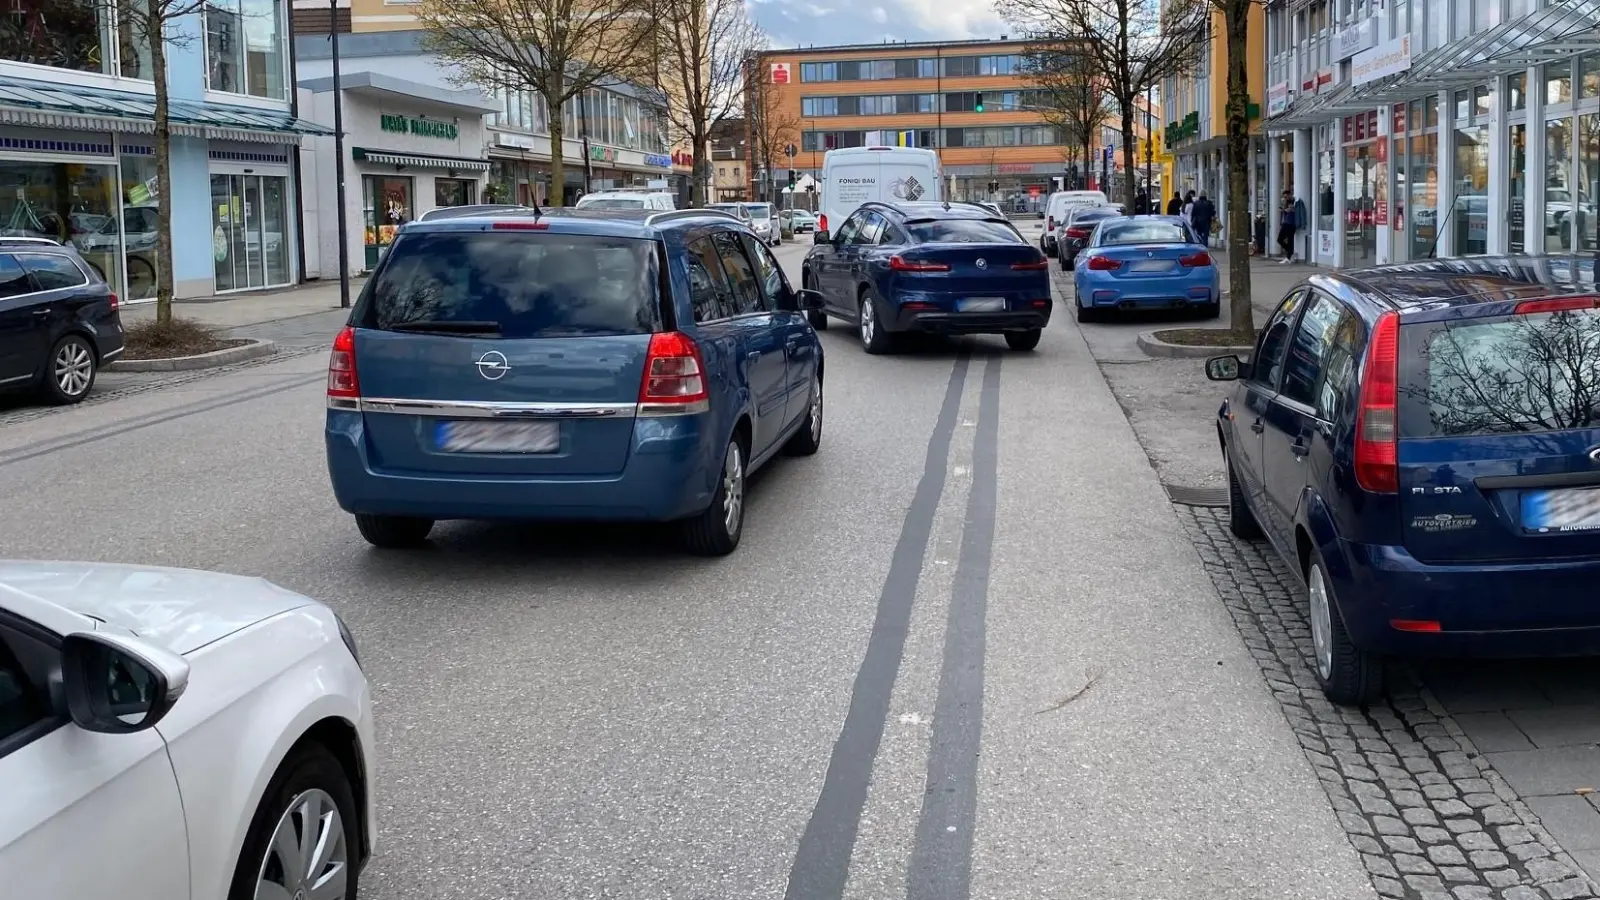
x=443 y=326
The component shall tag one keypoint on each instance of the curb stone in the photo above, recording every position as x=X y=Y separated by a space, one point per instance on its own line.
x=1153 y=346
x=227 y=356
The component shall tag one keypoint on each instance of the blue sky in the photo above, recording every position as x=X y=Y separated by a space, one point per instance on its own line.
x=793 y=23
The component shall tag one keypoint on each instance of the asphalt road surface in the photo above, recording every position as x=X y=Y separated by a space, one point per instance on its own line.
x=966 y=651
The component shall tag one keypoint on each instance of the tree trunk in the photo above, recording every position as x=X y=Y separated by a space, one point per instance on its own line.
x=1127 y=155
x=699 y=145
x=158 y=64
x=1241 y=317
x=558 y=177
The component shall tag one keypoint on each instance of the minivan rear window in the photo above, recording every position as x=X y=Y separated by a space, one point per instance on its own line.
x=961 y=231
x=530 y=285
x=1508 y=375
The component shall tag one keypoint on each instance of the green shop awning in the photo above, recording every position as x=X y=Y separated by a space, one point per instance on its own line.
x=42 y=105
x=419 y=160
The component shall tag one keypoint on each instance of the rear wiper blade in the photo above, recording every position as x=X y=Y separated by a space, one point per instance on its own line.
x=441 y=326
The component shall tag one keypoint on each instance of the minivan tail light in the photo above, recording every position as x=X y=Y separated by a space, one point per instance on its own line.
x=1377 y=461
x=342 y=380
x=1104 y=264
x=901 y=264
x=115 y=303
x=1199 y=259
x=674 y=373
x=1559 y=304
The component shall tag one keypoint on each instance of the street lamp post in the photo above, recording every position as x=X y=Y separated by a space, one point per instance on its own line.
x=1149 y=139
x=338 y=159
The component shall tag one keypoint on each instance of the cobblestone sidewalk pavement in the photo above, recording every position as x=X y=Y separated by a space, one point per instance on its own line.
x=1430 y=816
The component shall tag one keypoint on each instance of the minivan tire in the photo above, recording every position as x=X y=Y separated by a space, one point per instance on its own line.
x=1242 y=522
x=1024 y=340
x=709 y=532
x=393 y=532
x=75 y=352
x=310 y=767
x=1352 y=677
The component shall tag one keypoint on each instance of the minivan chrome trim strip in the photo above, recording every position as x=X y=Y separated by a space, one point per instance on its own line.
x=481 y=409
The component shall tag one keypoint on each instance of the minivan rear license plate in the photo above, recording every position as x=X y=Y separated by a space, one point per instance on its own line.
x=498 y=437
x=1549 y=512
x=983 y=304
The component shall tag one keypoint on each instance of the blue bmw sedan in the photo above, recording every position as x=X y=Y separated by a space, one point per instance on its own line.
x=935 y=268
x=1144 y=262
x=565 y=365
x=1421 y=442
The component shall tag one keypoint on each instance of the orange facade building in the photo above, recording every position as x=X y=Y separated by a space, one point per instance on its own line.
x=923 y=95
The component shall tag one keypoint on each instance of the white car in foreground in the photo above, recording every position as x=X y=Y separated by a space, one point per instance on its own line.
x=169 y=733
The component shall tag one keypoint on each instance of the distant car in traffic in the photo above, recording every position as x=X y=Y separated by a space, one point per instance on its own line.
x=936 y=268
x=655 y=201
x=993 y=207
x=800 y=221
x=477 y=209
x=1421 y=443
x=1079 y=227
x=193 y=733
x=59 y=320
x=763 y=222
x=573 y=365
x=1056 y=208
x=1144 y=262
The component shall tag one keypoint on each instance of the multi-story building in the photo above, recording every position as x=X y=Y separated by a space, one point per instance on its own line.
x=77 y=156
x=968 y=100
x=729 y=158
x=1417 y=128
x=1196 y=128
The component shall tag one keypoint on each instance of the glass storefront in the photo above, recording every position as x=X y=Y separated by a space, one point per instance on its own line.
x=1365 y=183
x=386 y=204
x=250 y=238
x=1588 y=181
x=1422 y=178
x=454 y=192
x=1558 y=193
x=83 y=35
x=140 y=224
x=64 y=202
x=245 y=49
x=1518 y=242
x=1469 y=210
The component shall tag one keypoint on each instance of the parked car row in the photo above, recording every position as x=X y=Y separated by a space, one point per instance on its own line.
x=59 y=321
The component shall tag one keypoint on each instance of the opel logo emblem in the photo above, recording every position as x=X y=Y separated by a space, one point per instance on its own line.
x=982 y=264
x=1594 y=454
x=1151 y=254
x=493 y=365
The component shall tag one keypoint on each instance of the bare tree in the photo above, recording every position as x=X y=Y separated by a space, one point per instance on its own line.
x=556 y=49
x=1070 y=96
x=771 y=127
x=1131 y=44
x=1236 y=29
x=700 y=52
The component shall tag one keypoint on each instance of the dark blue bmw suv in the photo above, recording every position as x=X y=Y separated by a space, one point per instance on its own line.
x=567 y=365
x=1422 y=442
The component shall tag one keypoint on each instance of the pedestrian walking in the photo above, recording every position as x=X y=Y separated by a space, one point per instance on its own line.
x=1201 y=215
x=1141 y=203
x=1188 y=208
x=1290 y=219
x=1175 y=205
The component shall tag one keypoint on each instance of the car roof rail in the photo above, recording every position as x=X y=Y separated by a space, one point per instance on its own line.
x=19 y=239
x=673 y=214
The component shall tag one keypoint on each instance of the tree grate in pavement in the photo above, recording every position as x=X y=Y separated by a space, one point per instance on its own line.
x=1428 y=815
x=30 y=413
x=1184 y=495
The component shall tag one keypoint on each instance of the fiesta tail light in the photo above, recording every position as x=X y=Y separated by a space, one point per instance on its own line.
x=1377 y=419
x=674 y=372
x=1560 y=304
x=116 y=304
x=1078 y=233
x=1103 y=264
x=1199 y=259
x=1037 y=265
x=901 y=264
x=342 y=380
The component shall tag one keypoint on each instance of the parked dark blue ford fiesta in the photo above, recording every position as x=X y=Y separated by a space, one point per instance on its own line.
x=1422 y=443
x=565 y=365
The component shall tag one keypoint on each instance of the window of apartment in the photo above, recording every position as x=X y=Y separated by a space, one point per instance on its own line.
x=1518 y=89
x=819 y=71
x=876 y=106
x=998 y=65
x=960 y=66
x=819 y=106
x=82 y=35
x=245 y=47
x=927 y=68
x=1558 y=83
x=961 y=101
x=876 y=69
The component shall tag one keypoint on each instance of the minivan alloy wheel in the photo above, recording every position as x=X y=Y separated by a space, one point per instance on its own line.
x=1321 y=614
x=816 y=410
x=733 y=488
x=72 y=368
x=307 y=858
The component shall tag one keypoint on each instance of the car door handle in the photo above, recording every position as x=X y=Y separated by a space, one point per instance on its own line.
x=41 y=313
x=1300 y=448
x=752 y=356
x=1257 y=426
x=794 y=340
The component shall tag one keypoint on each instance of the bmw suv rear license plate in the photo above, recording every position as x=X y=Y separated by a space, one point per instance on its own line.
x=983 y=304
x=498 y=437
x=1553 y=512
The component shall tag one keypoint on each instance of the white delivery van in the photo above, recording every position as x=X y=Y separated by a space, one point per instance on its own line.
x=854 y=175
x=1056 y=214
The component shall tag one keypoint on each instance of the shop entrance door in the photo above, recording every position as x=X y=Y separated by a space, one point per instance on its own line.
x=249 y=240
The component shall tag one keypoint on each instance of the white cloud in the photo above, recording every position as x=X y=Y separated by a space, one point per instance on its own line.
x=878 y=15
x=891 y=20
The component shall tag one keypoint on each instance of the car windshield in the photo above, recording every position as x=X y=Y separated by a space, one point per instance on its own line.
x=726 y=207
x=611 y=203
x=759 y=212
x=962 y=231
x=526 y=285
x=1112 y=233
x=1508 y=375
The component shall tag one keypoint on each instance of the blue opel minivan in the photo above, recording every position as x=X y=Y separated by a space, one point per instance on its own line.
x=570 y=365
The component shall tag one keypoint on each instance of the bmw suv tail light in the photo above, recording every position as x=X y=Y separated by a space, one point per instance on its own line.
x=674 y=376
x=901 y=264
x=1377 y=461
x=342 y=380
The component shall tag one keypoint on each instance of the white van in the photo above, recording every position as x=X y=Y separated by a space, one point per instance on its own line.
x=655 y=201
x=854 y=175
x=1056 y=214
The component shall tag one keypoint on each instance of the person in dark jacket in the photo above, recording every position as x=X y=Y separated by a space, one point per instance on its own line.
x=1175 y=205
x=1201 y=216
x=1141 y=203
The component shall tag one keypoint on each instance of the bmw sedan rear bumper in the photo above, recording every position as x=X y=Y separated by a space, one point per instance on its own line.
x=665 y=478
x=1482 y=610
x=944 y=322
x=1175 y=292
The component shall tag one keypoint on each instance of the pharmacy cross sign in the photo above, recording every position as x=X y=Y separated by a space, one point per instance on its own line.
x=421 y=127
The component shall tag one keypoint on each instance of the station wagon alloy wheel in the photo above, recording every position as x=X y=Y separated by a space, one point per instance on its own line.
x=1321 y=624
x=73 y=367
x=733 y=489
x=306 y=859
x=816 y=411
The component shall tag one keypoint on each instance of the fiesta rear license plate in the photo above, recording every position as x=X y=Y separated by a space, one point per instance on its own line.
x=1560 y=511
x=1152 y=265
x=498 y=437
x=982 y=304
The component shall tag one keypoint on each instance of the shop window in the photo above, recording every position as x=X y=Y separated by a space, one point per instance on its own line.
x=1518 y=188
x=1558 y=193
x=140 y=225
x=65 y=202
x=454 y=191
x=1470 y=205
x=1482 y=101
x=1558 y=83
x=244 y=47
x=1589 y=77
x=73 y=34
x=1518 y=89
x=1585 y=219
x=1422 y=180
x=250 y=235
